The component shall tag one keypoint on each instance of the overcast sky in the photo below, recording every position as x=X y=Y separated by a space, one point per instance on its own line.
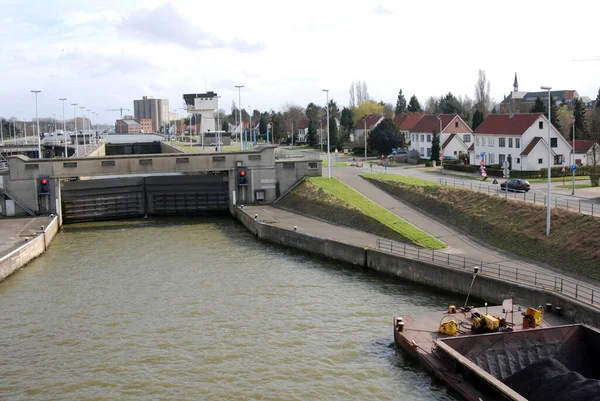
x=104 y=54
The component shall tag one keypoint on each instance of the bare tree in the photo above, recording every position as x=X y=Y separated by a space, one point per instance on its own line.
x=292 y=113
x=483 y=100
x=364 y=92
x=352 y=96
x=388 y=110
x=431 y=105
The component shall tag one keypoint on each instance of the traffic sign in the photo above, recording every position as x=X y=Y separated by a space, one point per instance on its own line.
x=563 y=169
x=482 y=154
x=574 y=167
x=481 y=163
x=393 y=151
x=441 y=158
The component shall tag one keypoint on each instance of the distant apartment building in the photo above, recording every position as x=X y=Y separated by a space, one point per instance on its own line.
x=155 y=109
x=134 y=126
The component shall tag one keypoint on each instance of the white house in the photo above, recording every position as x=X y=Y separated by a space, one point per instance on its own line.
x=521 y=139
x=584 y=152
x=364 y=126
x=455 y=135
x=405 y=122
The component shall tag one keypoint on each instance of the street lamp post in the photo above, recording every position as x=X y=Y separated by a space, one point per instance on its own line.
x=573 y=152
x=239 y=87
x=89 y=131
x=83 y=126
x=62 y=99
x=548 y=201
x=75 y=127
x=218 y=130
x=249 y=123
x=38 y=124
x=328 y=147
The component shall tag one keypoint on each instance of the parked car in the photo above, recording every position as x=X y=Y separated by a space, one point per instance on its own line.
x=516 y=184
x=449 y=158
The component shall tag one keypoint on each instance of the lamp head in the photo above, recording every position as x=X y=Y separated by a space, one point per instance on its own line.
x=546 y=88
x=476 y=270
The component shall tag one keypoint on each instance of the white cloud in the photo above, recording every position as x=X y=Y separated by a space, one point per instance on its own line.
x=165 y=24
x=381 y=10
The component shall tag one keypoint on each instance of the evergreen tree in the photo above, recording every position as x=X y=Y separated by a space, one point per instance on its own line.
x=400 y=103
x=477 y=119
x=347 y=122
x=311 y=136
x=334 y=114
x=581 y=127
x=262 y=127
x=435 y=145
x=385 y=137
x=554 y=113
x=449 y=104
x=494 y=110
x=538 y=107
x=225 y=126
x=413 y=105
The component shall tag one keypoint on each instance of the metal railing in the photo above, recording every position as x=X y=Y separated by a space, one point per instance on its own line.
x=520 y=275
x=283 y=154
x=582 y=207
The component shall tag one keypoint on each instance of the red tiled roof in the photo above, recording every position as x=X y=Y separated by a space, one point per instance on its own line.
x=302 y=124
x=410 y=121
x=450 y=138
x=427 y=123
x=447 y=119
x=531 y=145
x=504 y=124
x=472 y=147
x=371 y=119
x=400 y=118
x=582 y=146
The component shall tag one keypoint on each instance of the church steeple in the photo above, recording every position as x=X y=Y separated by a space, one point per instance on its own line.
x=516 y=84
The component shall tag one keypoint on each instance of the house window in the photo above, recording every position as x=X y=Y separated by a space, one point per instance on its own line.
x=541 y=125
x=422 y=138
x=455 y=153
x=502 y=142
x=412 y=137
x=456 y=124
x=510 y=142
x=518 y=160
x=518 y=143
x=422 y=152
x=558 y=159
x=501 y=158
x=553 y=142
x=428 y=138
x=491 y=141
x=467 y=138
x=540 y=161
x=428 y=152
x=476 y=156
x=492 y=158
x=476 y=141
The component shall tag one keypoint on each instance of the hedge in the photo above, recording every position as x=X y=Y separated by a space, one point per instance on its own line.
x=494 y=172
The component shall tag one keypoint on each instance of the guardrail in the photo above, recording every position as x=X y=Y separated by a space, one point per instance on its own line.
x=581 y=207
x=521 y=275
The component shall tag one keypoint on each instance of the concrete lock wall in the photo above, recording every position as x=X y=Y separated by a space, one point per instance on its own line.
x=165 y=147
x=28 y=251
x=485 y=288
x=289 y=172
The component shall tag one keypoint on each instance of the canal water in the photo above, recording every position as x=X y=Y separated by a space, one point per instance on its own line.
x=184 y=309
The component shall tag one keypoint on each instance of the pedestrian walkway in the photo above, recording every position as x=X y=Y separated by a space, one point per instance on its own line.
x=458 y=242
x=321 y=229
x=14 y=231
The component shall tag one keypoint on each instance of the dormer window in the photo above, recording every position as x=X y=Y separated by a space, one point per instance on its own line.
x=541 y=124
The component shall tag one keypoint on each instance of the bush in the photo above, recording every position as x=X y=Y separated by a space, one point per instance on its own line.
x=428 y=164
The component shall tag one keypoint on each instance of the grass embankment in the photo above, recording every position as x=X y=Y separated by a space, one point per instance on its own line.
x=334 y=164
x=520 y=227
x=333 y=201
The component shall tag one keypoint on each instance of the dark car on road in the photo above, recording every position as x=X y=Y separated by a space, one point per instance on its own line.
x=516 y=184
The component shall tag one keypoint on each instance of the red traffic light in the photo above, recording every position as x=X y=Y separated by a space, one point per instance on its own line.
x=243 y=173
x=44 y=181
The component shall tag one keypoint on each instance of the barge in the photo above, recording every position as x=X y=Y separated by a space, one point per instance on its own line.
x=515 y=358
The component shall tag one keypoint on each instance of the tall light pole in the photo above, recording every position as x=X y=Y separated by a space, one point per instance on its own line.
x=218 y=130
x=249 y=122
x=38 y=124
x=328 y=147
x=75 y=127
x=573 y=152
x=239 y=87
x=83 y=126
x=62 y=99
x=549 y=201
x=89 y=130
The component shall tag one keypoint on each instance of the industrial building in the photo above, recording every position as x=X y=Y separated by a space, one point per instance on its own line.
x=155 y=109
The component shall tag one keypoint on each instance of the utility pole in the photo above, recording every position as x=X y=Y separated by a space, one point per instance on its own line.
x=38 y=124
x=62 y=99
x=76 y=133
x=239 y=87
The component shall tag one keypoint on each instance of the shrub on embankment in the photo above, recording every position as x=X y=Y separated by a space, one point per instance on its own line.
x=333 y=201
x=573 y=246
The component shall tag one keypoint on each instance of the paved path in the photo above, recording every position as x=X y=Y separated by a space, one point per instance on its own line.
x=13 y=231
x=459 y=242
